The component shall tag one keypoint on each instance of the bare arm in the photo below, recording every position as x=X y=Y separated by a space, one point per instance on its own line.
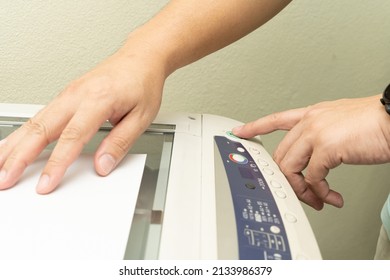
x=186 y=31
x=126 y=88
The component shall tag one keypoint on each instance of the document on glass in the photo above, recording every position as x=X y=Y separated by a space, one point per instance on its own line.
x=86 y=217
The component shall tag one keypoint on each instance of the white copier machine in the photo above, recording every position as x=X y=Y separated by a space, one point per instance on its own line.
x=204 y=194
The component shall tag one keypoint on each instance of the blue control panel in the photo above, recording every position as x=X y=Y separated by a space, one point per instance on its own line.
x=260 y=230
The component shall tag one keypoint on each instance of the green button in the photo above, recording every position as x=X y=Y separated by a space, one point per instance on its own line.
x=229 y=133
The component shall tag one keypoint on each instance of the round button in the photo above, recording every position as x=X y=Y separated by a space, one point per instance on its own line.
x=241 y=149
x=290 y=218
x=262 y=162
x=280 y=194
x=268 y=171
x=231 y=135
x=275 y=229
x=254 y=150
x=250 y=186
x=237 y=158
x=276 y=184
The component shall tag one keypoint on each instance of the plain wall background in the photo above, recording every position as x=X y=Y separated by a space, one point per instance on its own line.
x=312 y=51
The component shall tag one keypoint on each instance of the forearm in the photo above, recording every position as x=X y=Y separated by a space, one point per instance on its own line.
x=187 y=30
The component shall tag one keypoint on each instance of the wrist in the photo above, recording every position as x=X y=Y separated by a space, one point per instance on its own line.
x=144 y=49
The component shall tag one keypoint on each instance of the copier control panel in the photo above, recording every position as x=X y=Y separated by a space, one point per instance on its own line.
x=257 y=213
x=260 y=229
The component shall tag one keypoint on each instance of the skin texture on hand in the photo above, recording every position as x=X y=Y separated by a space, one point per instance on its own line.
x=126 y=88
x=123 y=90
x=320 y=138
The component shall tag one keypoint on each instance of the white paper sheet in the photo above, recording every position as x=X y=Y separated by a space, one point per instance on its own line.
x=87 y=217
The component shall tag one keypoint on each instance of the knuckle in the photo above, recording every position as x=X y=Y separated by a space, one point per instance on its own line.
x=310 y=180
x=71 y=88
x=98 y=88
x=313 y=110
x=16 y=159
x=101 y=87
x=284 y=168
x=55 y=161
x=120 y=144
x=274 y=117
x=276 y=158
x=71 y=134
x=38 y=128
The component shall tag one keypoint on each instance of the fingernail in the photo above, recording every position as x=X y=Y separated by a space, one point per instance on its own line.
x=107 y=163
x=237 y=129
x=43 y=183
x=340 y=203
x=3 y=175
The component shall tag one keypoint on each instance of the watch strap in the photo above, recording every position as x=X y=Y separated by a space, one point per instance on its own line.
x=385 y=100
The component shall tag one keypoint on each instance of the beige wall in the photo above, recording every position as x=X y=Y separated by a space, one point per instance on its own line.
x=312 y=51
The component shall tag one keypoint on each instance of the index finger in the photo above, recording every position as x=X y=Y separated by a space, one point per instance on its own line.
x=276 y=121
x=80 y=129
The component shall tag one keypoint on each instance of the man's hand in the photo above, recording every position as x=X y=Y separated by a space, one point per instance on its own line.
x=323 y=136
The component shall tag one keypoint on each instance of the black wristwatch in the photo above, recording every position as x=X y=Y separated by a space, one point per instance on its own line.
x=385 y=100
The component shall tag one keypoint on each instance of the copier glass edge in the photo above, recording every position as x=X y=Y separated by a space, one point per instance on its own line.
x=221 y=198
